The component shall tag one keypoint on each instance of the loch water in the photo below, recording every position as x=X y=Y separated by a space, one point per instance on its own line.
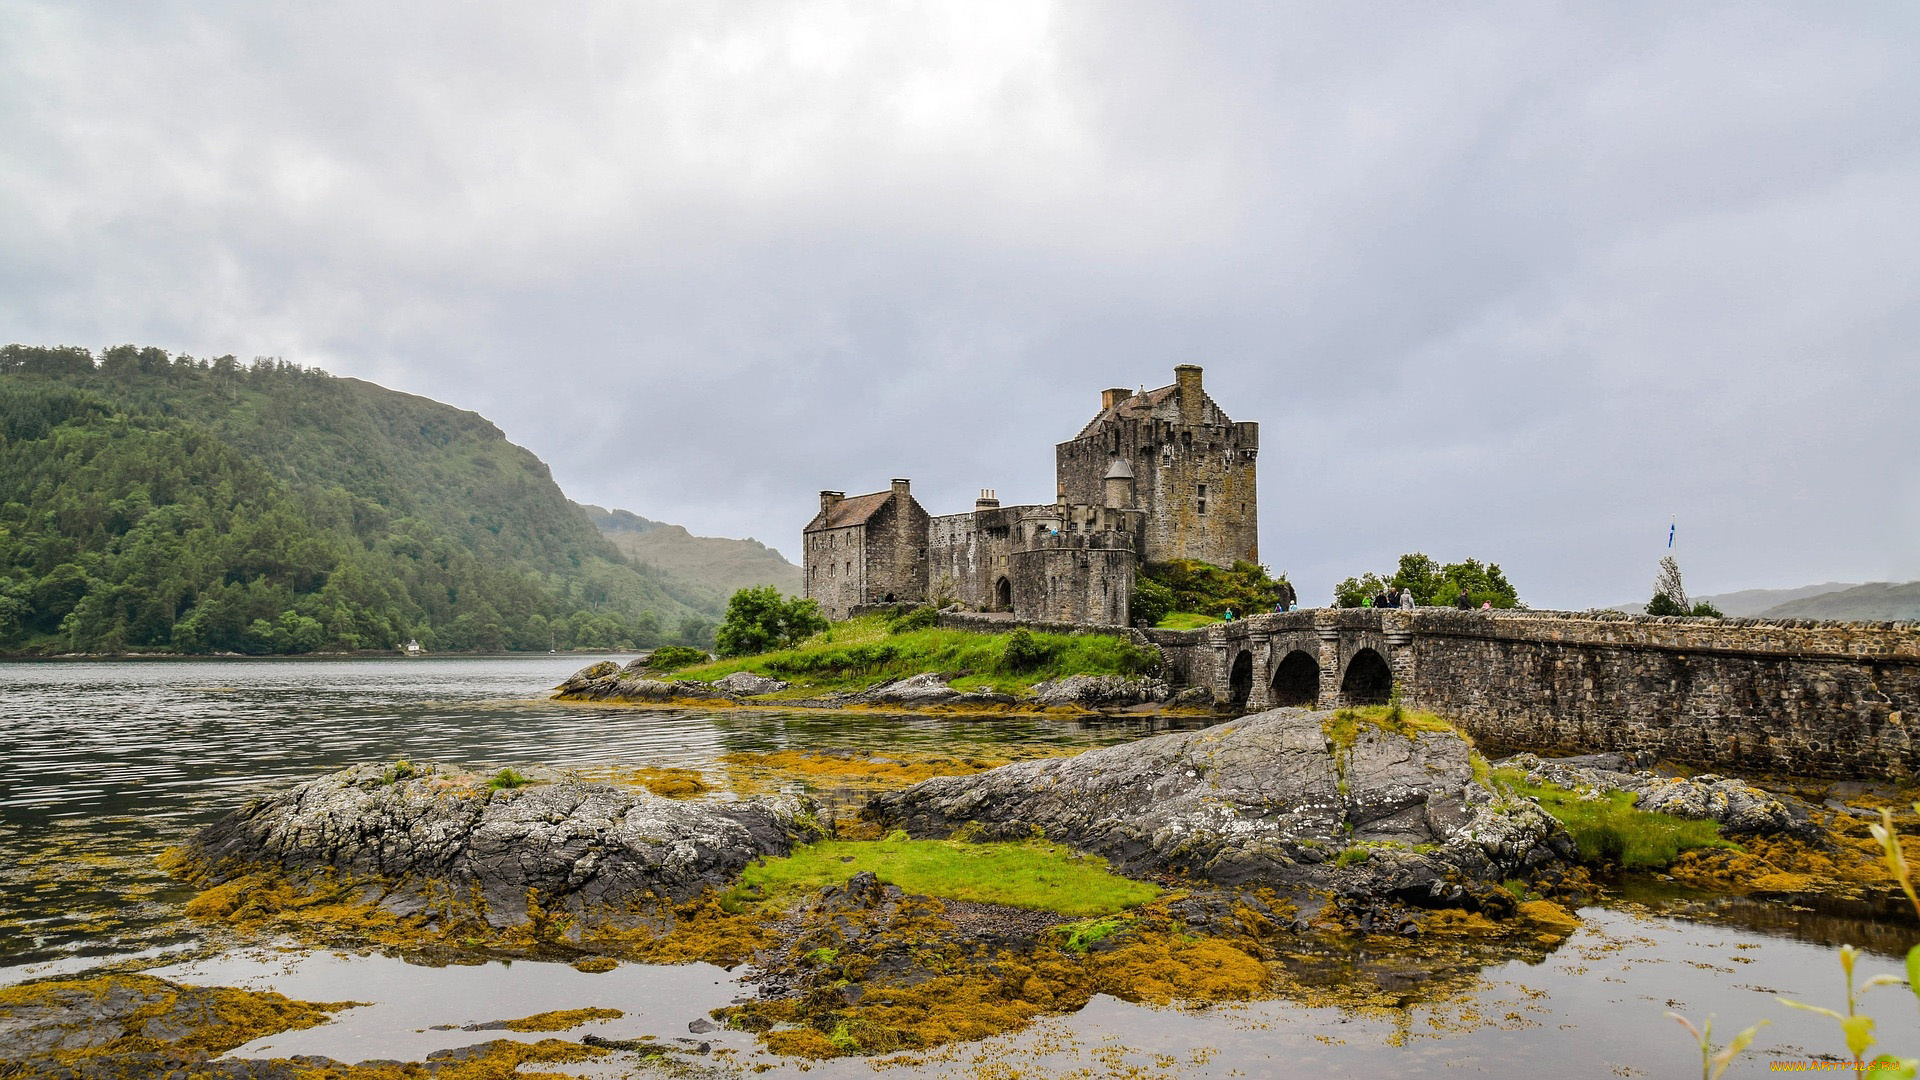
x=109 y=763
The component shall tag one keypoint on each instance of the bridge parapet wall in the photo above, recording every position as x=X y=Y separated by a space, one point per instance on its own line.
x=1743 y=696
x=1739 y=695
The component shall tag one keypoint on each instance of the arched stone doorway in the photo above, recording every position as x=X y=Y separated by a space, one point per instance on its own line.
x=1003 y=595
x=1369 y=681
x=1297 y=680
x=1240 y=680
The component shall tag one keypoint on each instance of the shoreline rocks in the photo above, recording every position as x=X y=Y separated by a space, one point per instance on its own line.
x=1268 y=799
x=609 y=682
x=1737 y=806
x=435 y=834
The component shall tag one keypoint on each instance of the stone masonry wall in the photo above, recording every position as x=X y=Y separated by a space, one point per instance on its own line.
x=1732 y=695
x=1735 y=695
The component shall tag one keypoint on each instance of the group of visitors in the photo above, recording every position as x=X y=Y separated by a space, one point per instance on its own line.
x=1390 y=597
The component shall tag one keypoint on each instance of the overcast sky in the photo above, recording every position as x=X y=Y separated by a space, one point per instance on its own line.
x=1520 y=282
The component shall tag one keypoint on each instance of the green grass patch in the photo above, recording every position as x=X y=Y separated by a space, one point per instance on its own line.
x=1344 y=727
x=862 y=653
x=1611 y=830
x=507 y=780
x=1185 y=620
x=1032 y=874
x=1078 y=937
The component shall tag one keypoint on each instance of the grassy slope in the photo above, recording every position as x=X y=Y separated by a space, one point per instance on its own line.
x=861 y=653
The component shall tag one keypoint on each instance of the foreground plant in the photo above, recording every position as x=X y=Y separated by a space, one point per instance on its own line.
x=1856 y=1027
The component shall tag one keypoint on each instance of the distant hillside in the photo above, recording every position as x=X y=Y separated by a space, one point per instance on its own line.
x=1874 y=600
x=172 y=504
x=720 y=564
x=1748 y=603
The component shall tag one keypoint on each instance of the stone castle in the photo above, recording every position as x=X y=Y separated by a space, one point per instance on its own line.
x=1155 y=476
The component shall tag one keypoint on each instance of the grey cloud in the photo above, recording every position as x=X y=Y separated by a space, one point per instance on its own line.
x=1512 y=281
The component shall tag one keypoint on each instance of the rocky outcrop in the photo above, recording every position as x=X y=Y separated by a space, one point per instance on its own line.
x=1102 y=692
x=437 y=834
x=1272 y=799
x=1740 y=808
x=607 y=681
x=926 y=688
x=747 y=684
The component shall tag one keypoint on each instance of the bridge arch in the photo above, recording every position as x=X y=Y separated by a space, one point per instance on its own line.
x=1368 y=679
x=1240 y=679
x=1296 y=681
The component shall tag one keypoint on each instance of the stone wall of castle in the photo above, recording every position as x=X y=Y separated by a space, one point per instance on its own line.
x=898 y=558
x=1073 y=580
x=835 y=569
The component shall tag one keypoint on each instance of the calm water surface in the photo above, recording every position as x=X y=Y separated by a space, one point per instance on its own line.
x=110 y=763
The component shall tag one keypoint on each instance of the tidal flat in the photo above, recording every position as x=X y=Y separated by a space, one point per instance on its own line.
x=115 y=763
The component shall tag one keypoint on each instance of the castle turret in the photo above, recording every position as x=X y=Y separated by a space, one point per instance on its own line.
x=1119 y=484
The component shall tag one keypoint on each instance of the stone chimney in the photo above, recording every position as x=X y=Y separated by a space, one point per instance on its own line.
x=902 y=489
x=830 y=499
x=987 y=500
x=1192 y=399
x=1110 y=398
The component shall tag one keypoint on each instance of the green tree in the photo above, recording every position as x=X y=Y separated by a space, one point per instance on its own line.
x=760 y=620
x=1434 y=585
x=1244 y=588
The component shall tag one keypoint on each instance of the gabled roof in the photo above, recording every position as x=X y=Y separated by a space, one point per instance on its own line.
x=1137 y=405
x=853 y=511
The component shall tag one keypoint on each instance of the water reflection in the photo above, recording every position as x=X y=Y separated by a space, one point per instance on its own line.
x=111 y=762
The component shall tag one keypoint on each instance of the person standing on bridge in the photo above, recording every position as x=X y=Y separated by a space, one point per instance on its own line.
x=1463 y=601
x=1406 y=599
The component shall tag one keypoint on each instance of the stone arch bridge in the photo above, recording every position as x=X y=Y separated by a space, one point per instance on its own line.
x=1747 y=696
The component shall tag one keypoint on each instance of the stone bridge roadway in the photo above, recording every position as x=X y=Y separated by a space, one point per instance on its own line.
x=1813 y=698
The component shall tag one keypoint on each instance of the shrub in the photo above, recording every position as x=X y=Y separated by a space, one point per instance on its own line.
x=674 y=657
x=1151 y=601
x=920 y=618
x=1024 y=652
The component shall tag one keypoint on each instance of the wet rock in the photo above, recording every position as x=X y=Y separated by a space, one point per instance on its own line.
x=1740 y=808
x=927 y=688
x=138 y=1025
x=590 y=676
x=1193 y=696
x=1267 y=799
x=585 y=848
x=747 y=684
x=1101 y=691
x=607 y=681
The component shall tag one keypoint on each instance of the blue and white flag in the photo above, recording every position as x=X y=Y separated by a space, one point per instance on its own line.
x=1670 y=526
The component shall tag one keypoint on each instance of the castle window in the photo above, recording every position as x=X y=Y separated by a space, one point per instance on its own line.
x=1186 y=440
x=1203 y=498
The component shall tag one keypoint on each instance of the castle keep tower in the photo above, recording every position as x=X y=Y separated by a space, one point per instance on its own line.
x=1192 y=470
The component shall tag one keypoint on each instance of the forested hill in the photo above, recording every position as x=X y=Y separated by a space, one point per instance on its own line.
x=151 y=502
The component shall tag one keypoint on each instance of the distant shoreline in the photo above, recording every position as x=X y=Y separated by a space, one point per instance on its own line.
x=363 y=654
